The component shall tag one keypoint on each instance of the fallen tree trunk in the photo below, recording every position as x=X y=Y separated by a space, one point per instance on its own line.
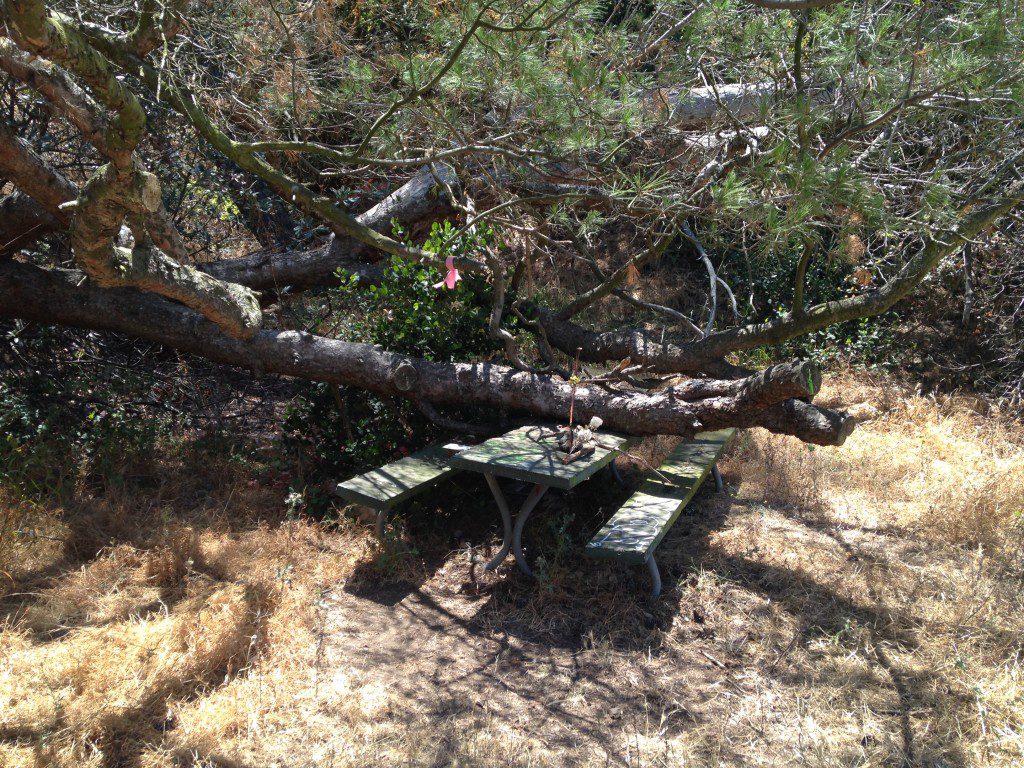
x=696 y=108
x=795 y=379
x=637 y=345
x=54 y=296
x=23 y=222
x=682 y=107
x=417 y=204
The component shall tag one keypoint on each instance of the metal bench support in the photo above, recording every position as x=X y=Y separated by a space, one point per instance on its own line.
x=652 y=566
x=636 y=529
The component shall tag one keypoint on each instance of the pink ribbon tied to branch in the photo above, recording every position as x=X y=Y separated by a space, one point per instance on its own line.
x=452 y=277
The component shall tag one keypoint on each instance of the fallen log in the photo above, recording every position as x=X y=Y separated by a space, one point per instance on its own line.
x=424 y=199
x=56 y=296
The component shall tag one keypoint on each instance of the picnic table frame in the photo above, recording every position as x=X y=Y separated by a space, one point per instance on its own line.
x=531 y=454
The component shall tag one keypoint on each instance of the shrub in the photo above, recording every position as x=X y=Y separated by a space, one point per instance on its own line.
x=63 y=423
x=330 y=432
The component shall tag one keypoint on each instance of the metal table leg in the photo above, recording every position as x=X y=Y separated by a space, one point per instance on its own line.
x=517 y=534
x=615 y=473
x=512 y=539
x=506 y=520
x=382 y=519
x=719 y=485
x=652 y=566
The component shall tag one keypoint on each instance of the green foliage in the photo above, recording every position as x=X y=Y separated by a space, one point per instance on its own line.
x=214 y=202
x=406 y=313
x=867 y=342
x=333 y=433
x=60 y=428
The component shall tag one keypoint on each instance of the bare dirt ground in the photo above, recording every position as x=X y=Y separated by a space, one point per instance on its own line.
x=851 y=607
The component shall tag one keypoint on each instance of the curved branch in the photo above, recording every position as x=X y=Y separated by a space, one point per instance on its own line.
x=697 y=356
x=158 y=22
x=59 y=89
x=417 y=203
x=122 y=191
x=982 y=215
x=74 y=104
x=639 y=346
x=53 y=37
x=33 y=176
x=613 y=281
x=22 y=223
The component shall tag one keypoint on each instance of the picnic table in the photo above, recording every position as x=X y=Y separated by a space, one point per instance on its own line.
x=531 y=454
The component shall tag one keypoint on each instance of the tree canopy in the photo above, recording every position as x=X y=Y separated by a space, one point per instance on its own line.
x=798 y=163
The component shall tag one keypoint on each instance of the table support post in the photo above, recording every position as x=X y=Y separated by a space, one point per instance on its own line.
x=615 y=473
x=517 y=535
x=506 y=520
x=652 y=566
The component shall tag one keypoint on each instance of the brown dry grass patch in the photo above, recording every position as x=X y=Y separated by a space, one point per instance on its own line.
x=860 y=606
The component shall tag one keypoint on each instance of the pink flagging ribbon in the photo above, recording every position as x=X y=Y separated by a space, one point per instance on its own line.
x=452 y=277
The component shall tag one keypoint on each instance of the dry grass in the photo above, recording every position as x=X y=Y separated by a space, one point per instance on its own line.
x=937 y=468
x=99 y=653
x=852 y=607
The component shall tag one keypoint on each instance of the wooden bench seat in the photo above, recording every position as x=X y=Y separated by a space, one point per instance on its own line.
x=384 y=488
x=637 y=528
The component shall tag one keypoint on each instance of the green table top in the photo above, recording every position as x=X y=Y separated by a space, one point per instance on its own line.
x=531 y=454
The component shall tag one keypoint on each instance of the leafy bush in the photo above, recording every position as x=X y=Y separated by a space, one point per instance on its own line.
x=406 y=313
x=331 y=432
x=68 y=424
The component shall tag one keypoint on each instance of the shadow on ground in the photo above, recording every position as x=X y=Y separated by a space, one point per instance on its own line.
x=583 y=659
x=770 y=618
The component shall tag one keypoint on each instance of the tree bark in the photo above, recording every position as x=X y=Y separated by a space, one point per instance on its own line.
x=638 y=346
x=794 y=379
x=696 y=108
x=418 y=203
x=32 y=175
x=64 y=94
x=23 y=222
x=53 y=297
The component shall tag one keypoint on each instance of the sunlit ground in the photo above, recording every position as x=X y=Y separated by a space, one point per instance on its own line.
x=835 y=607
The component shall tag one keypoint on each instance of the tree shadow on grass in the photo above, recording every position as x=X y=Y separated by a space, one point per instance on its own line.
x=546 y=651
x=558 y=657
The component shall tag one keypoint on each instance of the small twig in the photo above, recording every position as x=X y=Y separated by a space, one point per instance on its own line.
x=572 y=380
x=712 y=659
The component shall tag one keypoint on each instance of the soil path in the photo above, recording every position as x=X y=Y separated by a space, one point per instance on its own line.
x=444 y=658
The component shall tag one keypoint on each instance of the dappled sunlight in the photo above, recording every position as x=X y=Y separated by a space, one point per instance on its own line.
x=833 y=607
